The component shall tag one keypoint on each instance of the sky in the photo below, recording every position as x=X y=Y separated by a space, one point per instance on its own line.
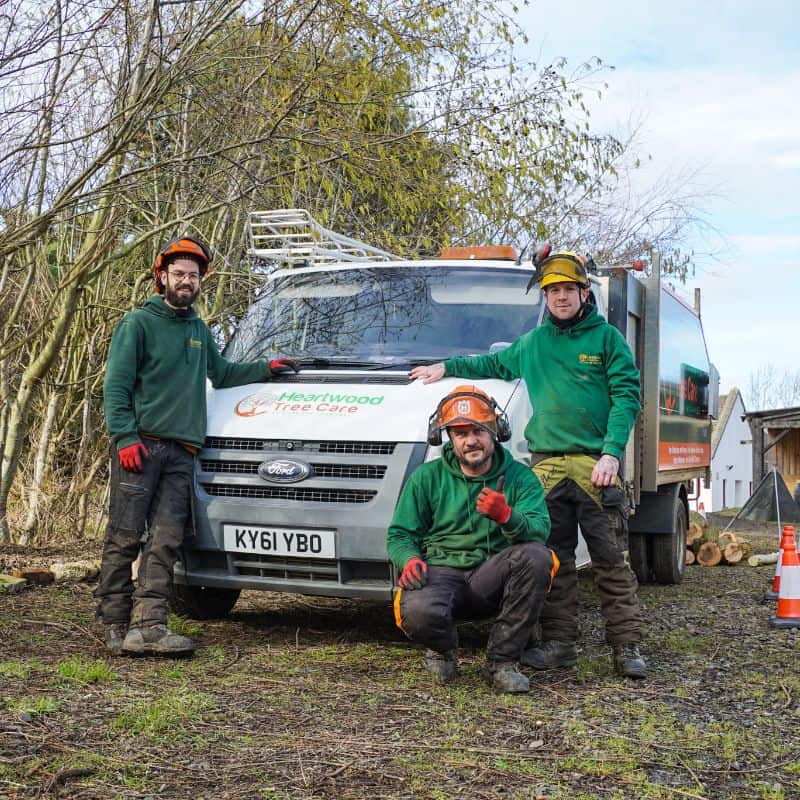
x=715 y=90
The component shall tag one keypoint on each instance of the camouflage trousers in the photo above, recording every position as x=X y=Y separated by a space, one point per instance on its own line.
x=155 y=501
x=573 y=500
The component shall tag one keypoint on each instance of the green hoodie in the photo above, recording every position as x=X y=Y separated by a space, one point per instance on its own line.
x=582 y=382
x=155 y=383
x=436 y=518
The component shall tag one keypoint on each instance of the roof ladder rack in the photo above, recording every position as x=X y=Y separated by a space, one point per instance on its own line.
x=291 y=237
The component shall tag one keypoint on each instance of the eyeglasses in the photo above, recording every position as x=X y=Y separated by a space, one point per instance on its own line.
x=193 y=277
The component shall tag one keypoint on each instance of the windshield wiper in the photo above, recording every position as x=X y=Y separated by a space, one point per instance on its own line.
x=327 y=363
x=407 y=363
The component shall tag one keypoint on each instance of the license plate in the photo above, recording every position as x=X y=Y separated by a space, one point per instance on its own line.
x=280 y=541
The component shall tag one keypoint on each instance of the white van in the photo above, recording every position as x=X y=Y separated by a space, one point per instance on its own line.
x=298 y=479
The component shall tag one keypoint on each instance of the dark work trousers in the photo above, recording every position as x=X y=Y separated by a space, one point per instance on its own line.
x=511 y=585
x=157 y=499
x=603 y=529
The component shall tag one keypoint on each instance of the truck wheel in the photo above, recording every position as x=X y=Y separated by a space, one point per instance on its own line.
x=202 y=602
x=669 y=549
x=639 y=557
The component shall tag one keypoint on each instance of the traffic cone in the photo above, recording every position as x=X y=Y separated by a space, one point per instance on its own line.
x=787 y=614
x=774 y=590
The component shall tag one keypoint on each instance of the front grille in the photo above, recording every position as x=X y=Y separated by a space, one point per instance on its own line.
x=287 y=568
x=364 y=448
x=350 y=471
x=291 y=493
x=297 y=447
x=230 y=467
x=354 y=471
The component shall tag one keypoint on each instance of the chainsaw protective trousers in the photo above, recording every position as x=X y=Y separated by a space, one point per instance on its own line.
x=572 y=500
x=155 y=502
x=511 y=585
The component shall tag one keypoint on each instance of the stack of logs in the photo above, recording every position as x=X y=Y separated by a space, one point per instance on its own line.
x=708 y=547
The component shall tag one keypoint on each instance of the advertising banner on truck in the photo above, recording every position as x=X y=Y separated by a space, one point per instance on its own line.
x=684 y=434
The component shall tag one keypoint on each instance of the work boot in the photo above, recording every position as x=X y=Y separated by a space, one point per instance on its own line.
x=115 y=635
x=628 y=660
x=551 y=654
x=505 y=677
x=156 y=640
x=443 y=665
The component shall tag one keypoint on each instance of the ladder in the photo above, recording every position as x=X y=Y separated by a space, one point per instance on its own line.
x=291 y=237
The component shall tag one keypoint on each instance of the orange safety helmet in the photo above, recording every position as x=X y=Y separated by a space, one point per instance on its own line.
x=468 y=405
x=186 y=246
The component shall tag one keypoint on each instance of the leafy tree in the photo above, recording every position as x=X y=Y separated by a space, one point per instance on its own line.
x=407 y=123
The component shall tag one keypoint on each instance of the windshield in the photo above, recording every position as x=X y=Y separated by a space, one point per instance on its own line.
x=387 y=314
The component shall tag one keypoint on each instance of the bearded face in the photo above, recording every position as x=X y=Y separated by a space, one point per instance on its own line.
x=181 y=282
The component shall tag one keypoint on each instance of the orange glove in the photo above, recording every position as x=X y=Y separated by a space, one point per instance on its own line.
x=493 y=504
x=414 y=575
x=130 y=457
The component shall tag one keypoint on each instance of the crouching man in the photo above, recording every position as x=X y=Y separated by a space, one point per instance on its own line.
x=468 y=539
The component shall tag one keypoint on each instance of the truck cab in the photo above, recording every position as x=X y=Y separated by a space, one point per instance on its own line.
x=298 y=479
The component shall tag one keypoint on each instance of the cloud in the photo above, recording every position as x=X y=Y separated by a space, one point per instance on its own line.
x=711 y=89
x=788 y=160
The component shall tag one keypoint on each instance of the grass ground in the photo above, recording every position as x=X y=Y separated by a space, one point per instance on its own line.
x=298 y=697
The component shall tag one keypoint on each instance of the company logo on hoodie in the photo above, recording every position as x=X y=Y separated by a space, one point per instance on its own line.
x=589 y=358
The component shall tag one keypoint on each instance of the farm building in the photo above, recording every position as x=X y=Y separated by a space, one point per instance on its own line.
x=776 y=443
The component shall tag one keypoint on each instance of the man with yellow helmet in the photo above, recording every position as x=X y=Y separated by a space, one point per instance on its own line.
x=467 y=538
x=585 y=392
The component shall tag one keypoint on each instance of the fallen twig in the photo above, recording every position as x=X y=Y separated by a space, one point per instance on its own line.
x=66 y=627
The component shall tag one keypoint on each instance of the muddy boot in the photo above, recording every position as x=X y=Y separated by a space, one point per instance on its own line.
x=443 y=665
x=551 y=654
x=505 y=677
x=628 y=660
x=157 y=640
x=115 y=635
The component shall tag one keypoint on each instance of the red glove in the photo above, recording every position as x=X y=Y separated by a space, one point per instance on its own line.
x=284 y=365
x=130 y=457
x=414 y=575
x=493 y=504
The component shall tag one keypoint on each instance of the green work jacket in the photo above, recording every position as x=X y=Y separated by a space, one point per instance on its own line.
x=155 y=381
x=436 y=518
x=582 y=382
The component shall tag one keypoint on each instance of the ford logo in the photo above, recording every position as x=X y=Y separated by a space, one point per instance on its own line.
x=284 y=470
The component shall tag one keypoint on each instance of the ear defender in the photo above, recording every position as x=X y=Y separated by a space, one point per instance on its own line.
x=486 y=414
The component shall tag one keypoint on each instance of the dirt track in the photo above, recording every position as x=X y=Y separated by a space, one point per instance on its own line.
x=313 y=698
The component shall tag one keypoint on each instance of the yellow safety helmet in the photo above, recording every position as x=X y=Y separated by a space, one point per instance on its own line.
x=563 y=266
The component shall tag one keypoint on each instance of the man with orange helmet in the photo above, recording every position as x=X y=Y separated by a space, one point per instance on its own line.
x=585 y=393
x=467 y=538
x=155 y=403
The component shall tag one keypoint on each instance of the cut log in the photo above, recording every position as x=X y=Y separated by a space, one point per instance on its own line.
x=40 y=577
x=726 y=538
x=10 y=584
x=711 y=534
x=762 y=558
x=697 y=544
x=691 y=558
x=694 y=532
x=733 y=553
x=709 y=554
